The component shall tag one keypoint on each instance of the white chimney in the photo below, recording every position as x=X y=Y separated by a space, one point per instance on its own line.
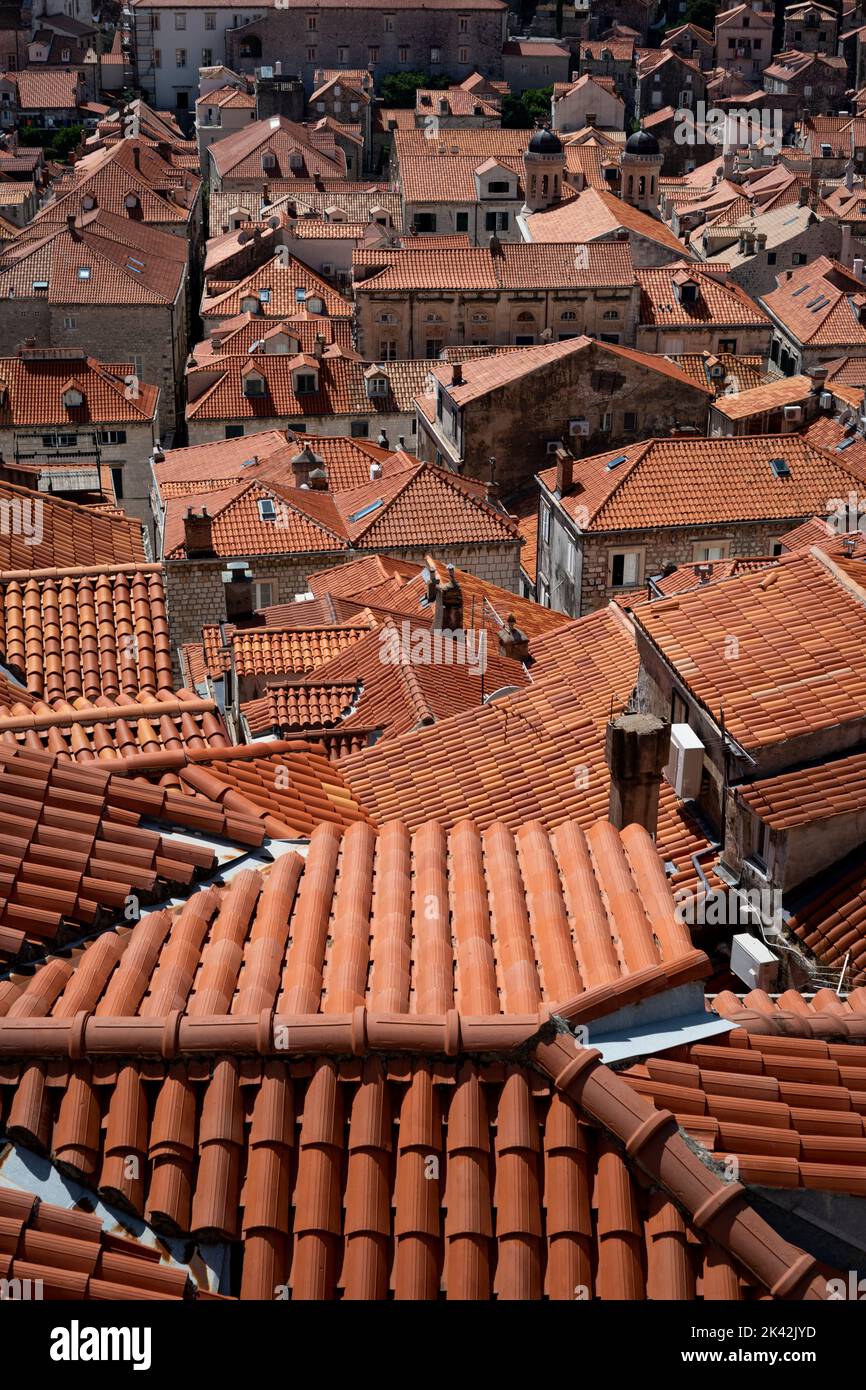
x=375 y=472
x=858 y=267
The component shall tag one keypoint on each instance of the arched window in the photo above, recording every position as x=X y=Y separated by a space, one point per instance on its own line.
x=251 y=46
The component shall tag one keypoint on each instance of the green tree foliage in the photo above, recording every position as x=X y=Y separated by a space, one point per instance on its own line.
x=399 y=88
x=519 y=113
x=57 y=144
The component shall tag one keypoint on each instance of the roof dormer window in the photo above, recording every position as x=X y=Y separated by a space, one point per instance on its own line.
x=254 y=384
x=72 y=398
x=315 y=305
x=306 y=383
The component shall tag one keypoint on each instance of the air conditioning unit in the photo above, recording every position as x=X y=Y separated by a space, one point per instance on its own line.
x=793 y=412
x=826 y=400
x=685 y=767
x=579 y=426
x=753 y=962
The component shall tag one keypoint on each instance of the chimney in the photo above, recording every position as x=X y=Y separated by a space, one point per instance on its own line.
x=858 y=267
x=512 y=642
x=198 y=533
x=636 y=752
x=318 y=479
x=457 y=374
x=136 y=157
x=492 y=491
x=564 y=471
x=73 y=230
x=319 y=347
x=845 y=243
x=818 y=378
x=803 y=196
x=375 y=471
x=448 y=613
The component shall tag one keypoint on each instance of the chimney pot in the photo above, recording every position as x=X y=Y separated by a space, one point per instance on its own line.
x=512 y=642
x=636 y=752
x=457 y=374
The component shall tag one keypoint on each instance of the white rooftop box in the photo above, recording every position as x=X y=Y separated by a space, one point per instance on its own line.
x=753 y=962
x=686 y=762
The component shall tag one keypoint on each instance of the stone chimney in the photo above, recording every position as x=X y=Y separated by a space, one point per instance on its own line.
x=636 y=752
x=512 y=642
x=136 y=157
x=71 y=227
x=318 y=479
x=803 y=196
x=447 y=598
x=319 y=347
x=198 y=533
x=492 y=491
x=564 y=471
x=457 y=374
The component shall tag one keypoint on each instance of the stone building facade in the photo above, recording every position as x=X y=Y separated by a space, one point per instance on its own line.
x=440 y=37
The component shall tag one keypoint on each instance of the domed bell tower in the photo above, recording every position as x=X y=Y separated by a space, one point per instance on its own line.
x=543 y=169
x=640 y=168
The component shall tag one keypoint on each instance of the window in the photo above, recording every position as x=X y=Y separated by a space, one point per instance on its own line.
x=629 y=421
x=157 y=58
x=342 y=55
x=705 y=551
x=180 y=19
x=388 y=21
x=65 y=55
x=499 y=186
x=496 y=221
x=771 y=258
x=609 y=314
x=463 y=25
x=608 y=337
x=154 y=19
x=606 y=422
x=727 y=345
x=433 y=347
x=117 y=483
x=264 y=593
x=206 y=57
x=311 y=58
x=111 y=436
x=360 y=429
x=435 y=55
x=403 y=54
x=210 y=19
x=254 y=386
x=312 y=23
x=234 y=431
x=461 y=222
x=463 y=55
x=624 y=568
x=545 y=525
x=760 y=843
x=387 y=349
x=305 y=383
x=799 y=258
x=267 y=509
x=180 y=57
x=424 y=222
x=373 y=54
x=69 y=322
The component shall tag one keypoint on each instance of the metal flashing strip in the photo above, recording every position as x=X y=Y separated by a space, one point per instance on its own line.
x=655 y=1036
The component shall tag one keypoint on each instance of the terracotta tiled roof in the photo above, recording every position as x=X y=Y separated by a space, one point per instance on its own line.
x=228 y=98
x=41 y=532
x=816 y=616
x=238 y=335
x=842 y=442
x=282 y=652
x=818 y=305
x=74 y=850
x=814 y=793
x=486 y=374
x=758 y=400
x=288 y=709
x=827 y=916
x=450 y=178
x=108 y=177
x=355 y=200
x=45 y=91
x=717 y=303
x=746 y=372
x=103 y=730
x=687 y=577
x=379 y=582
x=594 y=213
x=33 y=387
x=72 y=1256
x=103 y=633
x=815 y=531
x=768 y=1101
x=524 y=266
x=554 y=1124
x=421 y=505
x=208 y=464
x=106 y=260
x=239 y=156
x=306 y=522
x=282 y=284
x=664 y=482
x=342 y=387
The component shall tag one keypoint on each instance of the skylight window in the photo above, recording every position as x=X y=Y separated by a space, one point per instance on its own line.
x=366 y=511
x=300 y=295
x=615 y=463
x=265 y=296
x=801 y=290
x=84 y=272
x=134 y=264
x=37 y=285
x=780 y=468
x=845 y=444
x=267 y=509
